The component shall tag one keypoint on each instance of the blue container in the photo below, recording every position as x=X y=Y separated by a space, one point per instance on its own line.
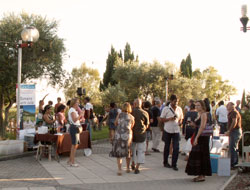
x=214 y=162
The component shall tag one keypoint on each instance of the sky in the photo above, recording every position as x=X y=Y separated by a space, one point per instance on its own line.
x=163 y=30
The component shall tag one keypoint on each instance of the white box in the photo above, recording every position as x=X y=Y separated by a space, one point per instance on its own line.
x=224 y=167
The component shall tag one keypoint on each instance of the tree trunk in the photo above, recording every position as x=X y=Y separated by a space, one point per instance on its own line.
x=6 y=114
x=1 y=115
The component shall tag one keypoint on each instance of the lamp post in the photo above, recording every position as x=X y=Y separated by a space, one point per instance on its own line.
x=244 y=19
x=167 y=78
x=29 y=35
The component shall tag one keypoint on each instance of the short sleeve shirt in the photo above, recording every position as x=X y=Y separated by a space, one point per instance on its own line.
x=221 y=112
x=141 y=123
x=72 y=110
x=88 y=106
x=172 y=126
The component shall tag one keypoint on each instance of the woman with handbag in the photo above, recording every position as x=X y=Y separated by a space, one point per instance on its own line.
x=74 y=130
x=199 y=159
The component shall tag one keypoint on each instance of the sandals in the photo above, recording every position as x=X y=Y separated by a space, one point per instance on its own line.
x=128 y=170
x=74 y=165
x=198 y=179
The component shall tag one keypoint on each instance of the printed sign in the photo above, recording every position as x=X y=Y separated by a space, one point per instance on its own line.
x=27 y=106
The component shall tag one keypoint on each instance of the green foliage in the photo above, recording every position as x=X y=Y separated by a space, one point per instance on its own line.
x=186 y=67
x=128 y=55
x=84 y=77
x=114 y=94
x=148 y=80
x=215 y=87
x=243 y=99
x=112 y=62
x=10 y=136
x=245 y=116
x=110 y=69
x=189 y=66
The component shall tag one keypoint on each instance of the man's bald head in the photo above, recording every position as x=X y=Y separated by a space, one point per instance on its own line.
x=138 y=102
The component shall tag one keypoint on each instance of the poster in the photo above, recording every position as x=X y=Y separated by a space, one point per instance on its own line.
x=27 y=106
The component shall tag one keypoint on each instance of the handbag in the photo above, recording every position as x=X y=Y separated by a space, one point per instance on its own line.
x=208 y=131
x=209 y=128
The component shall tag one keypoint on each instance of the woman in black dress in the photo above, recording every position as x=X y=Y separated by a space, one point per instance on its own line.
x=199 y=159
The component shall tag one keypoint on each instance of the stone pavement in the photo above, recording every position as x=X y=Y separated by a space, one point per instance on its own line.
x=98 y=172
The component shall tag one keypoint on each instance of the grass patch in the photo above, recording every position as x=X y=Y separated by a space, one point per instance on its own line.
x=103 y=134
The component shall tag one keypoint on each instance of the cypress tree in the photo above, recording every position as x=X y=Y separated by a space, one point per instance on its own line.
x=183 y=68
x=243 y=99
x=110 y=68
x=189 y=66
x=128 y=55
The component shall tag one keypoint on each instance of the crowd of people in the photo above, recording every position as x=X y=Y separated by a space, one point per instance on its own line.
x=135 y=124
x=139 y=122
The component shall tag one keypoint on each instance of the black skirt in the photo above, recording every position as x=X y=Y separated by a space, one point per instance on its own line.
x=199 y=158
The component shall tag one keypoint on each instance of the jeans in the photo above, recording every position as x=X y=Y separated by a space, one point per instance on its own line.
x=167 y=138
x=87 y=122
x=223 y=127
x=234 y=139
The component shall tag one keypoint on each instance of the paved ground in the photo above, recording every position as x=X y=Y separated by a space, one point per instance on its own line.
x=97 y=172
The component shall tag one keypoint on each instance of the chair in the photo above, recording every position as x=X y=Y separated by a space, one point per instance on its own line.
x=43 y=148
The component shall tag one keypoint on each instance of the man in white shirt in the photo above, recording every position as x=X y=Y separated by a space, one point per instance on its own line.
x=221 y=116
x=172 y=116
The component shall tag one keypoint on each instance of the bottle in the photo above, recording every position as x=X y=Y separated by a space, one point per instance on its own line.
x=216 y=132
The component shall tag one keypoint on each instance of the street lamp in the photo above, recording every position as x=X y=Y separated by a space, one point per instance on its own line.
x=244 y=19
x=29 y=35
x=167 y=78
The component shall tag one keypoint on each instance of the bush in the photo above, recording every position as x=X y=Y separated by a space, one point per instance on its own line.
x=245 y=127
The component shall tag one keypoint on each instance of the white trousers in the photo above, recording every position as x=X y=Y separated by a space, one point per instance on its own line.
x=156 y=136
x=138 y=150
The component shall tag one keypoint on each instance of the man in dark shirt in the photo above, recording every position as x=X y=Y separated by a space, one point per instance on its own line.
x=156 y=131
x=234 y=132
x=139 y=135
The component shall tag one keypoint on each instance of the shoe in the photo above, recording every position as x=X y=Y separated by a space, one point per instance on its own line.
x=128 y=170
x=175 y=168
x=74 y=165
x=197 y=179
x=137 y=171
x=155 y=150
x=147 y=153
x=132 y=167
x=233 y=167
x=167 y=165
x=119 y=173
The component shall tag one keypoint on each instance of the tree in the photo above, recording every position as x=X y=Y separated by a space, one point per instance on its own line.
x=186 y=67
x=84 y=77
x=243 y=99
x=128 y=55
x=183 y=68
x=44 y=59
x=114 y=94
x=189 y=66
x=110 y=69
